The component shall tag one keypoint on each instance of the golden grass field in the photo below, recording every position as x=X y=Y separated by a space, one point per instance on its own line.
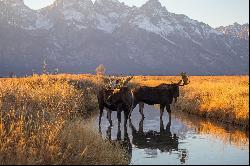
x=221 y=98
x=46 y=119
x=43 y=121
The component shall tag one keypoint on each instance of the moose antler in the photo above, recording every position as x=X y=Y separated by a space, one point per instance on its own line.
x=118 y=83
x=110 y=83
x=185 y=79
x=127 y=80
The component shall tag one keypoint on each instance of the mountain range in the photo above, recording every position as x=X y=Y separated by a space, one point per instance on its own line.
x=75 y=36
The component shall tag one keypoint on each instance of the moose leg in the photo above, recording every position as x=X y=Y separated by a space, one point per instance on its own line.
x=141 y=107
x=162 y=110
x=126 y=114
x=119 y=133
x=161 y=126
x=108 y=133
x=169 y=112
x=119 y=117
x=109 y=112
x=100 y=116
x=141 y=126
x=133 y=129
x=168 y=127
x=130 y=108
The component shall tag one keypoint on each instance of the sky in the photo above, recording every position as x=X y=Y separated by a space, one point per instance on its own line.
x=212 y=12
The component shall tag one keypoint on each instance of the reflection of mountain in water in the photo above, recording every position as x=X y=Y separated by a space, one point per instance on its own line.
x=153 y=140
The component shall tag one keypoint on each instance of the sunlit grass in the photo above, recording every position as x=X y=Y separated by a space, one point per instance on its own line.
x=222 y=98
x=43 y=121
x=43 y=118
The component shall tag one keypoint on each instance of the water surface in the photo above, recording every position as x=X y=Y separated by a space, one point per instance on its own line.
x=184 y=140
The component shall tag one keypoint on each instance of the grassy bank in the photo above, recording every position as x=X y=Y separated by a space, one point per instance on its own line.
x=221 y=98
x=43 y=121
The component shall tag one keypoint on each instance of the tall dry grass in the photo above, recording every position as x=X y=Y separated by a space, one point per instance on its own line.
x=43 y=121
x=221 y=98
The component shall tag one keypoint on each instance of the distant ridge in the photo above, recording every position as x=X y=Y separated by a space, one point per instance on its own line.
x=75 y=36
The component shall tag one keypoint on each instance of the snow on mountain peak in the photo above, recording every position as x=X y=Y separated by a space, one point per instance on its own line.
x=146 y=38
x=103 y=2
x=18 y=2
x=235 y=30
x=153 y=3
x=153 y=6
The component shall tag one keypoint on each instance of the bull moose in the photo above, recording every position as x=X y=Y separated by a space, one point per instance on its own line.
x=123 y=99
x=162 y=94
x=115 y=99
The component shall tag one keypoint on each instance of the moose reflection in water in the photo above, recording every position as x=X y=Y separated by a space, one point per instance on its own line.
x=125 y=143
x=164 y=140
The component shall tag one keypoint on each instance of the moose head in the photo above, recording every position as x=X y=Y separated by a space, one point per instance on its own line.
x=185 y=78
x=176 y=86
x=116 y=85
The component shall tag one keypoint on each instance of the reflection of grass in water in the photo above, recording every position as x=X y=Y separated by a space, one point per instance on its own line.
x=225 y=98
x=225 y=133
x=39 y=124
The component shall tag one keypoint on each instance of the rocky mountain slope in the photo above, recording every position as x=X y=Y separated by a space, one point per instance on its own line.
x=77 y=35
x=236 y=30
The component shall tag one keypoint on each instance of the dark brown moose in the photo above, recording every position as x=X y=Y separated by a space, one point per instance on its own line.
x=114 y=99
x=162 y=94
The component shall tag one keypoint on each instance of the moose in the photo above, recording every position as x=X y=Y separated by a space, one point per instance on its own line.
x=162 y=94
x=124 y=99
x=116 y=98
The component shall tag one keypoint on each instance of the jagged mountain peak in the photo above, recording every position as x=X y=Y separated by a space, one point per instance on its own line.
x=235 y=30
x=153 y=8
x=13 y=1
x=104 y=2
x=15 y=4
x=78 y=35
x=73 y=3
x=153 y=3
x=237 y=24
x=110 y=4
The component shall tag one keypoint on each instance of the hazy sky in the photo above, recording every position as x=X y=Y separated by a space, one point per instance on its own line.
x=212 y=12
